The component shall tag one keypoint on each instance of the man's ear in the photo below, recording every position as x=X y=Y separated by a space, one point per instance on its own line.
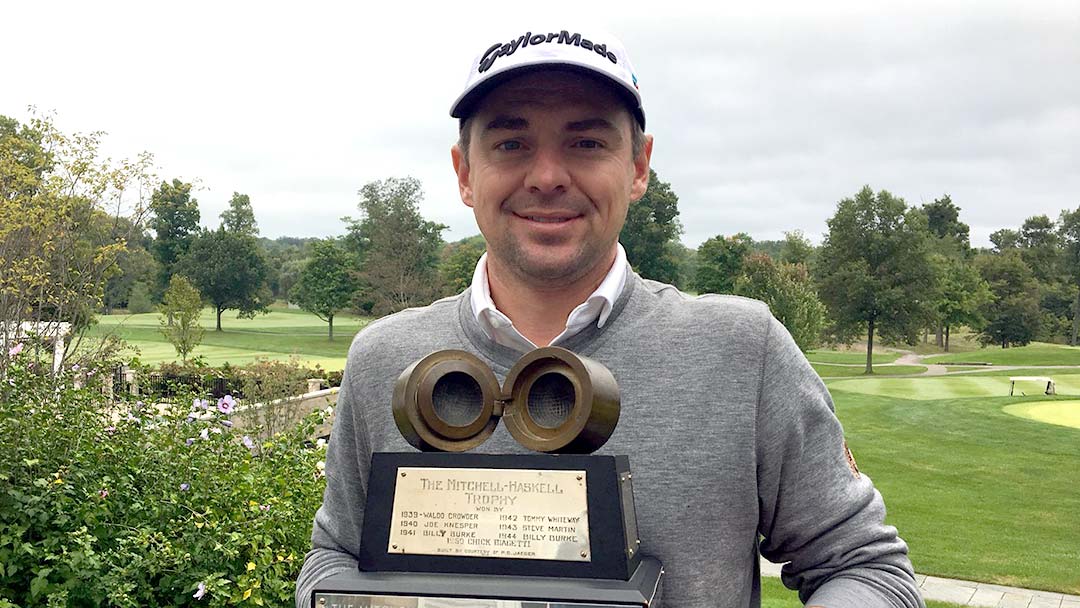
x=641 y=170
x=461 y=167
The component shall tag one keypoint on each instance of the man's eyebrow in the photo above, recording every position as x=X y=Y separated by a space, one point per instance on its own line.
x=512 y=123
x=591 y=124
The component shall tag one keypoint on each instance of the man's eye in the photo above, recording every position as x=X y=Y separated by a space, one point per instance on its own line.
x=588 y=144
x=509 y=145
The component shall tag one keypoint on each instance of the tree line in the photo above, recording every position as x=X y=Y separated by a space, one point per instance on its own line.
x=885 y=270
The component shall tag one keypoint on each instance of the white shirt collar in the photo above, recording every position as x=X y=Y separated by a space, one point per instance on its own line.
x=596 y=308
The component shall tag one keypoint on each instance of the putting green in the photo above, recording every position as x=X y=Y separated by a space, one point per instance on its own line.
x=1062 y=413
x=946 y=387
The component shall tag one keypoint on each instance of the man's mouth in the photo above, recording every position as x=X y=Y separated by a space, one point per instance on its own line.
x=548 y=220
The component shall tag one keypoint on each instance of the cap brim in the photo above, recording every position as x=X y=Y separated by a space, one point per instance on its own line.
x=466 y=104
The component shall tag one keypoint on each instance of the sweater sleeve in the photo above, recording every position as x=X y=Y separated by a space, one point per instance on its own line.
x=336 y=533
x=817 y=512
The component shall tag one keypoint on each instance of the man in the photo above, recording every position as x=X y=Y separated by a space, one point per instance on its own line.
x=730 y=433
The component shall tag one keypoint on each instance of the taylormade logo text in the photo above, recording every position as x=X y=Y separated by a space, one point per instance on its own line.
x=501 y=49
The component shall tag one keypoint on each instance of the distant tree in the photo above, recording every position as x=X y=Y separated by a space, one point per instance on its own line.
x=873 y=269
x=797 y=249
x=688 y=265
x=398 y=249
x=1069 y=235
x=1013 y=315
x=769 y=248
x=651 y=232
x=327 y=281
x=240 y=217
x=961 y=297
x=1005 y=239
x=720 y=263
x=230 y=271
x=1038 y=243
x=285 y=257
x=181 y=303
x=175 y=222
x=138 y=300
x=458 y=263
x=949 y=236
x=789 y=292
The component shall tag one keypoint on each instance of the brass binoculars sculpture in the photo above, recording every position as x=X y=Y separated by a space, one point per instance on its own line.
x=552 y=401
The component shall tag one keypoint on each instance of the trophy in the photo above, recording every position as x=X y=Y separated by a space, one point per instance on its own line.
x=444 y=528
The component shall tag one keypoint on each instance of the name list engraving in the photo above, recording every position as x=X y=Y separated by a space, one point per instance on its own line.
x=502 y=513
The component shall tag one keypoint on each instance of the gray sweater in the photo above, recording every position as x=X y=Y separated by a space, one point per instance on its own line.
x=731 y=437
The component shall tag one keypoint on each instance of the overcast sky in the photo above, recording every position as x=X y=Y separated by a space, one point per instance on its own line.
x=764 y=117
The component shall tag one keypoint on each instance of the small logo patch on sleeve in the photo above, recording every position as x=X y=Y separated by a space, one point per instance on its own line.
x=851 y=461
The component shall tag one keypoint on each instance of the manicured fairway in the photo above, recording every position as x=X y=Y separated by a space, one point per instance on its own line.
x=849 y=357
x=826 y=370
x=953 y=387
x=281 y=334
x=1063 y=413
x=1032 y=355
x=978 y=494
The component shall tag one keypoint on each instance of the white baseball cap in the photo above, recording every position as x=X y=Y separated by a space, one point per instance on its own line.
x=594 y=52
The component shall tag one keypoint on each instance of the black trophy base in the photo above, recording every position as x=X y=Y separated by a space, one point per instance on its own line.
x=358 y=589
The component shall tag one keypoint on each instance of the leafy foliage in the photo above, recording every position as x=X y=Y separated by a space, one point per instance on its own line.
x=459 y=262
x=873 y=269
x=229 y=270
x=130 y=504
x=790 y=294
x=651 y=232
x=180 y=308
x=720 y=263
x=327 y=282
x=240 y=217
x=1013 y=316
x=398 y=249
x=175 y=222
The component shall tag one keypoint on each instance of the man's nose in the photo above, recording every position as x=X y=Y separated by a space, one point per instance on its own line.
x=548 y=173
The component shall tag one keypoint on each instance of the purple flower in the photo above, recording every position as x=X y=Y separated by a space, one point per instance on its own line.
x=200 y=592
x=264 y=508
x=189 y=441
x=204 y=434
x=75 y=367
x=103 y=493
x=110 y=429
x=184 y=487
x=226 y=423
x=248 y=443
x=226 y=404
x=14 y=350
x=200 y=403
x=192 y=417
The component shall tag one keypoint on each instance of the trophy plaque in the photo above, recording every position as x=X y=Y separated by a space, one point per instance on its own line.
x=445 y=528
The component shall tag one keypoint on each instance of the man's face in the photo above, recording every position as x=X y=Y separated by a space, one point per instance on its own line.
x=550 y=175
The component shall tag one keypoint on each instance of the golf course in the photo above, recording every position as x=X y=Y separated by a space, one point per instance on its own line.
x=982 y=485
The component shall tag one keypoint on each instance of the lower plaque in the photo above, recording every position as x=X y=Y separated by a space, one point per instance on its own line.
x=499 y=513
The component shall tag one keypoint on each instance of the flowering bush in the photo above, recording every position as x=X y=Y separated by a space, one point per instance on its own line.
x=142 y=504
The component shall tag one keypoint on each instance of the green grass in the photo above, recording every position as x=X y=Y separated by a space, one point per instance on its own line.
x=775 y=595
x=826 y=370
x=1032 y=355
x=851 y=357
x=1065 y=413
x=978 y=494
x=952 y=387
x=1026 y=371
x=281 y=334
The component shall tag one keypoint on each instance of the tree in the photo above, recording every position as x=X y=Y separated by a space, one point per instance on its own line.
x=1004 y=239
x=181 y=303
x=398 y=250
x=1069 y=235
x=459 y=263
x=60 y=233
x=789 y=292
x=175 y=223
x=1038 y=242
x=240 y=217
x=229 y=270
x=948 y=235
x=327 y=281
x=962 y=295
x=720 y=262
x=873 y=270
x=797 y=249
x=651 y=232
x=1013 y=315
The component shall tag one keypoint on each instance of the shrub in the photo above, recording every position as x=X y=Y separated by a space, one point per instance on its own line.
x=133 y=504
